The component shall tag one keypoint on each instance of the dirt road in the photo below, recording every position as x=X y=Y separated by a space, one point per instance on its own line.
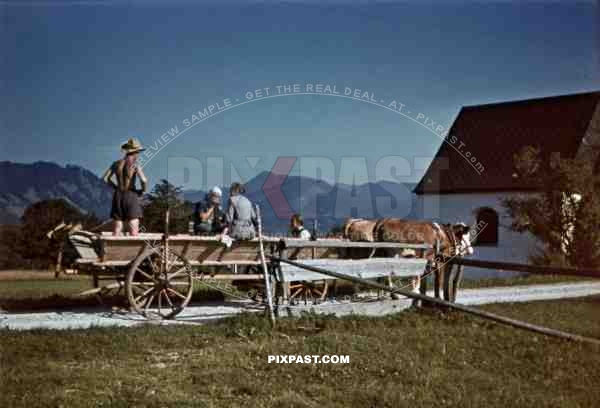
x=82 y=319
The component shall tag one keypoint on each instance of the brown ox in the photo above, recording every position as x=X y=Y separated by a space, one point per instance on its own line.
x=453 y=240
x=362 y=230
x=359 y=230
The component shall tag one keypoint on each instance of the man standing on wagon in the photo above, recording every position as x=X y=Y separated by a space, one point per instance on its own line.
x=126 y=198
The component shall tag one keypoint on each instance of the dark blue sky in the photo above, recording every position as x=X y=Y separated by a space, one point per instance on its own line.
x=77 y=80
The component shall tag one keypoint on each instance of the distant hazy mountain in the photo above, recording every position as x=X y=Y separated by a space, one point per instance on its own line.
x=24 y=184
x=327 y=203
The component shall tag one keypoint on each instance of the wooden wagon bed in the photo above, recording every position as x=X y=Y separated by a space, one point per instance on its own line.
x=134 y=261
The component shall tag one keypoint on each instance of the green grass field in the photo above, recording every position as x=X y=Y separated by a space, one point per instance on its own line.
x=521 y=280
x=45 y=287
x=416 y=358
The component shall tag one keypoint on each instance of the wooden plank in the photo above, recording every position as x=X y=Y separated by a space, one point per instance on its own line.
x=342 y=243
x=209 y=251
x=360 y=268
x=121 y=250
x=193 y=248
x=229 y=276
x=192 y=263
x=290 y=242
x=320 y=253
x=152 y=236
x=284 y=287
x=311 y=253
x=201 y=250
x=82 y=261
x=83 y=245
x=240 y=250
x=129 y=238
x=187 y=237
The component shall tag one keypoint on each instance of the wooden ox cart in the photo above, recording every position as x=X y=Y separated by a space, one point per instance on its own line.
x=157 y=271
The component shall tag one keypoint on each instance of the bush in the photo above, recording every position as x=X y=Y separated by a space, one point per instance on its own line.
x=564 y=214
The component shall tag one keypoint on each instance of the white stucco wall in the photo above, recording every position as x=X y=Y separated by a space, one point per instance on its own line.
x=451 y=208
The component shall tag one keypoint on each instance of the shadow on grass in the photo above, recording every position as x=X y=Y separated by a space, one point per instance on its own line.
x=58 y=302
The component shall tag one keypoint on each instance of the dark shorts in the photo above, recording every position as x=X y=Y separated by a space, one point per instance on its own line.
x=126 y=206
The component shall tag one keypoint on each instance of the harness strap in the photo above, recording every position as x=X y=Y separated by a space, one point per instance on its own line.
x=452 y=237
x=454 y=243
x=124 y=181
x=377 y=230
x=442 y=229
x=120 y=173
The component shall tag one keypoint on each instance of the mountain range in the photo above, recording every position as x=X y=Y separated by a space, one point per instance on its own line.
x=24 y=184
x=326 y=202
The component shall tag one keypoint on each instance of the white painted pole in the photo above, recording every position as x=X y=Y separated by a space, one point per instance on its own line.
x=265 y=268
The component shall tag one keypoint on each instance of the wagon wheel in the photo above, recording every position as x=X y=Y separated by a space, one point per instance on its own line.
x=156 y=290
x=309 y=290
x=256 y=290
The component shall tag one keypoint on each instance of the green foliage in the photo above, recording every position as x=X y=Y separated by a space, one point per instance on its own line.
x=9 y=257
x=165 y=196
x=566 y=225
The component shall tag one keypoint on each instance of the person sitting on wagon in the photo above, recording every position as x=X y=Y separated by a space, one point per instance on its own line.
x=240 y=218
x=297 y=228
x=125 y=203
x=209 y=218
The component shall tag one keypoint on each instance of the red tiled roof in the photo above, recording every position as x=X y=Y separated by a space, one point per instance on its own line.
x=493 y=133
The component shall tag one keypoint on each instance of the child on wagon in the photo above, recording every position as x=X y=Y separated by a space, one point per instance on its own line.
x=240 y=217
x=297 y=228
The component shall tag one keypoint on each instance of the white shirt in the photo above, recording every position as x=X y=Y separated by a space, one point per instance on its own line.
x=304 y=234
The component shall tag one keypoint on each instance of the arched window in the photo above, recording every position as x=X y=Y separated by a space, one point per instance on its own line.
x=487 y=226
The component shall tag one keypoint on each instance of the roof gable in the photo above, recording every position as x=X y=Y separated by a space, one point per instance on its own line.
x=492 y=134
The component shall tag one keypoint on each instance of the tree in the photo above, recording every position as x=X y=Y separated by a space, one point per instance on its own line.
x=10 y=258
x=564 y=214
x=165 y=196
x=337 y=230
x=39 y=218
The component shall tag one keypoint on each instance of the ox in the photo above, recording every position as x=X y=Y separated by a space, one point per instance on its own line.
x=359 y=230
x=365 y=230
x=454 y=240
